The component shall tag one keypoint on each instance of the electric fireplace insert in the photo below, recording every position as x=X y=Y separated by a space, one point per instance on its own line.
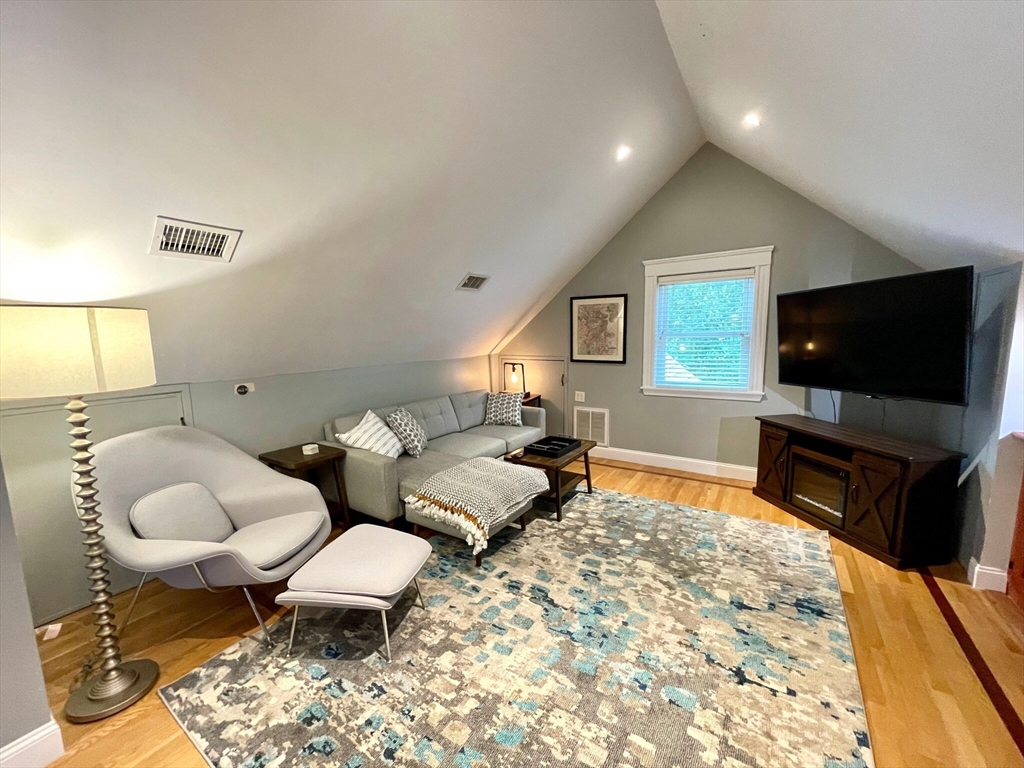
x=819 y=487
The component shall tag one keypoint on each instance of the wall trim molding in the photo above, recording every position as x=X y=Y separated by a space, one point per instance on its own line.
x=683 y=464
x=986 y=577
x=35 y=749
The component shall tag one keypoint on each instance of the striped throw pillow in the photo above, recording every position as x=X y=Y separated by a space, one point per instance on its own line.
x=372 y=434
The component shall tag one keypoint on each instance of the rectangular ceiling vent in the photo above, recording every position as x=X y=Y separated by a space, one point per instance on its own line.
x=190 y=240
x=591 y=424
x=473 y=282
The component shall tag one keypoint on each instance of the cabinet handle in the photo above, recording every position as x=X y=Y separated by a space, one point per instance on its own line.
x=854 y=493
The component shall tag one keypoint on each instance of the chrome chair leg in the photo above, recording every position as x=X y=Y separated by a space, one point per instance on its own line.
x=252 y=604
x=387 y=640
x=131 y=606
x=419 y=594
x=291 y=637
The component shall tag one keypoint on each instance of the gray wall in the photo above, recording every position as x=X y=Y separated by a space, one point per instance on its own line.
x=714 y=203
x=22 y=692
x=283 y=410
x=290 y=409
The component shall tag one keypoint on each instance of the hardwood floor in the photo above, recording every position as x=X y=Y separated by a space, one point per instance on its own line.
x=925 y=705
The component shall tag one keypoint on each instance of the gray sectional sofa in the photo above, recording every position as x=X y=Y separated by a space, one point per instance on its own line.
x=455 y=431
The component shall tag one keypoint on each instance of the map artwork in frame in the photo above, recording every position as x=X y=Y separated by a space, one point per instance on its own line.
x=598 y=332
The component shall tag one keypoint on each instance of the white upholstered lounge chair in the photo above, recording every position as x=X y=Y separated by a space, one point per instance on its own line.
x=198 y=512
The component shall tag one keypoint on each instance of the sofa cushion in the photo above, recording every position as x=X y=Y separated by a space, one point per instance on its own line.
x=183 y=512
x=340 y=425
x=468 y=446
x=514 y=437
x=270 y=542
x=436 y=415
x=470 y=408
x=412 y=472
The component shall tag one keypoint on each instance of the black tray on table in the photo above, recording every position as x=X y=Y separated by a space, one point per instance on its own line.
x=552 y=447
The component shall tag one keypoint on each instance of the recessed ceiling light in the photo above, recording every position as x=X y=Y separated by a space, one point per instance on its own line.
x=752 y=120
x=623 y=152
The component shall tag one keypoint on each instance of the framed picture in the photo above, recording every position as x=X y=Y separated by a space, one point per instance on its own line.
x=598 y=329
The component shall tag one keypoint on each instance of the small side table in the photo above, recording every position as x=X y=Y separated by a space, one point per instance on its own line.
x=532 y=400
x=294 y=463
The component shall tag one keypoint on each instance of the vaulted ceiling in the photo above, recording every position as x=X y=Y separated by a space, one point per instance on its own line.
x=905 y=119
x=374 y=153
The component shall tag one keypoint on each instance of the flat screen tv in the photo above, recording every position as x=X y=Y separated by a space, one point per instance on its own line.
x=901 y=337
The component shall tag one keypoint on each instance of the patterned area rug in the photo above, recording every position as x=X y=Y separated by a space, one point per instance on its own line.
x=634 y=633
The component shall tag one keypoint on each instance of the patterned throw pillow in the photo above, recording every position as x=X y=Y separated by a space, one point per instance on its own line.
x=409 y=431
x=504 y=409
x=372 y=434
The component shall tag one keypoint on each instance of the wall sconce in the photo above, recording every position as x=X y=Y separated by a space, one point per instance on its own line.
x=516 y=379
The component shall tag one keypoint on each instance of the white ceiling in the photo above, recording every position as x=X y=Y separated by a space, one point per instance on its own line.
x=373 y=153
x=376 y=152
x=906 y=119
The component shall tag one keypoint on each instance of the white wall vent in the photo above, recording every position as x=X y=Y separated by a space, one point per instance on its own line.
x=472 y=282
x=190 y=240
x=591 y=424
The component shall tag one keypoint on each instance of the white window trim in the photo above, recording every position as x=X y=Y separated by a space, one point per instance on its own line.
x=760 y=260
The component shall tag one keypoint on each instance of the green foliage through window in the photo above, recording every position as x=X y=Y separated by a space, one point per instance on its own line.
x=702 y=334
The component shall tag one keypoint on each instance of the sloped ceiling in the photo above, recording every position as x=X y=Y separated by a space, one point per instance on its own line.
x=373 y=153
x=905 y=119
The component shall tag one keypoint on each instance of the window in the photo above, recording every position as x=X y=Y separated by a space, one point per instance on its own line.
x=705 y=324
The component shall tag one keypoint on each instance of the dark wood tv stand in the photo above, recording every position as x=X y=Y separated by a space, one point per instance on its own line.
x=893 y=499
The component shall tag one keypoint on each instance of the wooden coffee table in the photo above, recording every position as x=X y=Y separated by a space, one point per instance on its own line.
x=560 y=480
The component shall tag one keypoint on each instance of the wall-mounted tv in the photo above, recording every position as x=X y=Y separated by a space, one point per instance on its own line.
x=900 y=337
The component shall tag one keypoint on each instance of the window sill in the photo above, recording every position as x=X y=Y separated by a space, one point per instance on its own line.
x=704 y=394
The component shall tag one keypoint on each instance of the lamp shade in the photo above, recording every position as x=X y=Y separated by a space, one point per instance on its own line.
x=49 y=351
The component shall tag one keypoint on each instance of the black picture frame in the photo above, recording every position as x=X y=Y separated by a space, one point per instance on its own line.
x=578 y=301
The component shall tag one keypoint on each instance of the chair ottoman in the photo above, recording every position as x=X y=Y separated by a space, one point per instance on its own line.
x=366 y=568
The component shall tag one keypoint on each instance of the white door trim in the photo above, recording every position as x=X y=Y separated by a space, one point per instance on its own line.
x=12 y=407
x=502 y=358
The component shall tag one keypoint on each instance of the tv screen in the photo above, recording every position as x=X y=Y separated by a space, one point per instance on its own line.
x=901 y=337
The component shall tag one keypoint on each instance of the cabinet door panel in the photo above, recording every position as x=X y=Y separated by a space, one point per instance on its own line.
x=873 y=499
x=37 y=465
x=771 y=460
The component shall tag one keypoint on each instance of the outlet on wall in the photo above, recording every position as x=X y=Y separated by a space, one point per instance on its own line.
x=245 y=389
x=581 y=397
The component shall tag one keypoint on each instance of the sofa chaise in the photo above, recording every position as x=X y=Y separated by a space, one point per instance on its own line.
x=455 y=428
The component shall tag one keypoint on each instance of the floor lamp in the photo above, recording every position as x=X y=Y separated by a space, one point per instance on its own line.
x=49 y=351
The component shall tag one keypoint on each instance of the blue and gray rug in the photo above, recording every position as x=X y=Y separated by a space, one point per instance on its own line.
x=633 y=633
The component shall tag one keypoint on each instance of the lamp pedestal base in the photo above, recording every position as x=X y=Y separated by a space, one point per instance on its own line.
x=82 y=709
x=119 y=684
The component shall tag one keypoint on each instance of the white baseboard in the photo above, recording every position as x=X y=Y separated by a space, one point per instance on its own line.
x=665 y=461
x=35 y=749
x=985 y=577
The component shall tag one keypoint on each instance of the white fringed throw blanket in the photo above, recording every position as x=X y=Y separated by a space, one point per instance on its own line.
x=477 y=494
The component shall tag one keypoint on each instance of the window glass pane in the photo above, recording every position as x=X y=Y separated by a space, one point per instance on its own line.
x=702 y=334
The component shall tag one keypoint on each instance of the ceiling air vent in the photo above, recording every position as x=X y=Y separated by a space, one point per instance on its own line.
x=189 y=240
x=473 y=282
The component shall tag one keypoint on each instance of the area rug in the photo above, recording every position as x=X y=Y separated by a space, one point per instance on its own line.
x=633 y=633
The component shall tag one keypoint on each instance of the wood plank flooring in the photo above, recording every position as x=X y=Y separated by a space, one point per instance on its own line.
x=925 y=706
